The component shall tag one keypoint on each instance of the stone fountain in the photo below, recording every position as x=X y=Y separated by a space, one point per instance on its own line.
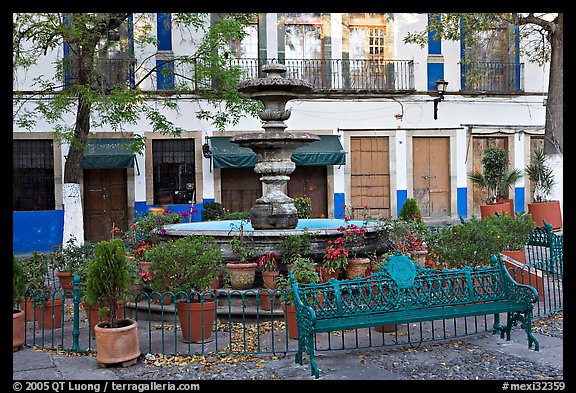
x=274 y=146
x=274 y=214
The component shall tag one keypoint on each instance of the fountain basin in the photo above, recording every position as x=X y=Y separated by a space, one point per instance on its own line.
x=320 y=229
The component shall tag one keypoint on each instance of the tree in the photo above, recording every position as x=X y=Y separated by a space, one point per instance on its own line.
x=88 y=36
x=543 y=42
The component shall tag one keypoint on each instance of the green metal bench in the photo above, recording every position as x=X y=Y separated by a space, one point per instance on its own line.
x=404 y=292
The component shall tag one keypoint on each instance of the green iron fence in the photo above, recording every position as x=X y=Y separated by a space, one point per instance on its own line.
x=253 y=322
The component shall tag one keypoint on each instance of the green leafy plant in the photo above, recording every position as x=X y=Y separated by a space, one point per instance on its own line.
x=540 y=174
x=186 y=264
x=514 y=232
x=237 y=216
x=147 y=229
x=305 y=272
x=72 y=257
x=471 y=243
x=294 y=246
x=496 y=179
x=244 y=249
x=410 y=210
x=35 y=268
x=303 y=207
x=212 y=211
x=18 y=283
x=108 y=276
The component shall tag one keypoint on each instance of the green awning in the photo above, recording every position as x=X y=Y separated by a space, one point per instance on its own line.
x=327 y=151
x=108 y=153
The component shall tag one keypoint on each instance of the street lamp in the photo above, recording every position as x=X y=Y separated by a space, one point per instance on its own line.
x=441 y=85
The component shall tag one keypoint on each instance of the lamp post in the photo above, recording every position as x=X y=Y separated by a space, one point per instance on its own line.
x=441 y=85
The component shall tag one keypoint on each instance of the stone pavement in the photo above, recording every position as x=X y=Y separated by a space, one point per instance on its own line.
x=480 y=357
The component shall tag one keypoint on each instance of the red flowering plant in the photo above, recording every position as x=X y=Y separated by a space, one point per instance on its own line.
x=336 y=256
x=267 y=262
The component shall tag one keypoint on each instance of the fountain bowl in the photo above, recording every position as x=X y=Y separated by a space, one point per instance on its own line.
x=320 y=230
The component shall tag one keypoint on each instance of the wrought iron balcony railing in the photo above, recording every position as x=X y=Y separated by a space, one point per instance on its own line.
x=342 y=75
x=493 y=77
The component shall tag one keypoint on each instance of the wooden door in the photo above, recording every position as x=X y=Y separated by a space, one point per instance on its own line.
x=370 y=175
x=479 y=145
x=105 y=203
x=240 y=187
x=311 y=181
x=431 y=158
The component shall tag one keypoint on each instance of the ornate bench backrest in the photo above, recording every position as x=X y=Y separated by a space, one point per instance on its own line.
x=404 y=285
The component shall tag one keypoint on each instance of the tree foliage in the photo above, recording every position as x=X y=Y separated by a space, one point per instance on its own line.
x=541 y=42
x=206 y=74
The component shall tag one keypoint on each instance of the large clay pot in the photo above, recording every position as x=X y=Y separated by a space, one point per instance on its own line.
x=196 y=320
x=118 y=345
x=49 y=315
x=66 y=282
x=18 y=329
x=93 y=315
x=419 y=256
x=518 y=255
x=356 y=267
x=242 y=275
x=546 y=211
x=290 y=316
x=269 y=279
x=500 y=208
x=269 y=298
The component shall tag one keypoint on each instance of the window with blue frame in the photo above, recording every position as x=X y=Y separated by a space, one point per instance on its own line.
x=490 y=61
x=33 y=175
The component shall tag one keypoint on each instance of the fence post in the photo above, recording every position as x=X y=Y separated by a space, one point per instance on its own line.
x=76 y=301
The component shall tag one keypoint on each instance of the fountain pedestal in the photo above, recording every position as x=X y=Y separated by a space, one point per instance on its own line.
x=274 y=146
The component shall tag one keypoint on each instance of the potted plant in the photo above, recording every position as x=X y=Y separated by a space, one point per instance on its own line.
x=542 y=208
x=355 y=263
x=514 y=234
x=304 y=270
x=242 y=270
x=68 y=261
x=496 y=179
x=39 y=301
x=186 y=267
x=18 y=319
x=335 y=258
x=294 y=246
x=269 y=270
x=108 y=275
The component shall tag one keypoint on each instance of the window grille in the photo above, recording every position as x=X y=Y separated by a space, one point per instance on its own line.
x=174 y=168
x=33 y=175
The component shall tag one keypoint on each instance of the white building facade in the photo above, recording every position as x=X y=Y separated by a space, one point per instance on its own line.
x=373 y=104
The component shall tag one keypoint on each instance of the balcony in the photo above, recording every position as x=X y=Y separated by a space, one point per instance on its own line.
x=111 y=72
x=493 y=77
x=339 y=75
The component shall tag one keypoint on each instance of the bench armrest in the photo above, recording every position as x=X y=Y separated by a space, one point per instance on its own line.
x=302 y=310
x=518 y=292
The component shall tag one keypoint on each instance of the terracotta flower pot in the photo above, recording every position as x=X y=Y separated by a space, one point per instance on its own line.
x=268 y=299
x=500 y=208
x=546 y=211
x=357 y=267
x=93 y=315
x=18 y=329
x=49 y=315
x=269 y=279
x=196 y=320
x=119 y=345
x=325 y=276
x=518 y=255
x=242 y=275
x=66 y=282
x=386 y=328
x=290 y=316
x=419 y=256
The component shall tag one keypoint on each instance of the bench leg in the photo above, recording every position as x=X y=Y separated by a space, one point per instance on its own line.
x=527 y=326
x=497 y=328
x=310 y=344
x=301 y=348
